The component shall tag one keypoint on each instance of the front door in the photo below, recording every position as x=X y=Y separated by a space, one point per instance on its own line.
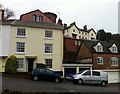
x=30 y=64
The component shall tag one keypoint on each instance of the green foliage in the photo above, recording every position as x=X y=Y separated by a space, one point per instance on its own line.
x=11 y=65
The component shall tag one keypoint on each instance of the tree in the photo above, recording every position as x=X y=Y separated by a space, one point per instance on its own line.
x=8 y=13
x=11 y=65
x=103 y=36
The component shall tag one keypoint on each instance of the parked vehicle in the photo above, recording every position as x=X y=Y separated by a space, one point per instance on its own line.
x=91 y=77
x=68 y=76
x=46 y=74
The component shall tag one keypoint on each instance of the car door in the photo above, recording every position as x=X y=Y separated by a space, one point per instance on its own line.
x=42 y=74
x=49 y=75
x=87 y=77
x=96 y=77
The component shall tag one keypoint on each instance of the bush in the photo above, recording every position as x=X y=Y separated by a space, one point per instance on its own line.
x=11 y=65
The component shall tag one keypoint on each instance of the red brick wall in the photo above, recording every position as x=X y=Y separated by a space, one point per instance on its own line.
x=106 y=61
x=29 y=16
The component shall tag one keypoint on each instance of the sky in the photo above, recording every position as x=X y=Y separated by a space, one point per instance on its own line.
x=96 y=14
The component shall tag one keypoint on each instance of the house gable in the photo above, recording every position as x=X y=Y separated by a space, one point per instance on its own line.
x=29 y=16
x=84 y=52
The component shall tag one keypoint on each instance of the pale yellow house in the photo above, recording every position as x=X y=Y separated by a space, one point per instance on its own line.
x=31 y=43
x=74 y=32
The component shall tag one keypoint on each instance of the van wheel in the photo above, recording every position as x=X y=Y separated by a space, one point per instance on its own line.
x=35 y=78
x=80 y=81
x=103 y=83
x=57 y=80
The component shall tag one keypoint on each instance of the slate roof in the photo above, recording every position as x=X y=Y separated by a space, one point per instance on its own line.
x=105 y=44
x=32 y=24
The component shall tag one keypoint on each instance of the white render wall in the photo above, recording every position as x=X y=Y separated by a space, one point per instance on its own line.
x=4 y=40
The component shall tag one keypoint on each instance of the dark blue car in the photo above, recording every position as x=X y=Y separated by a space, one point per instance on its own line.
x=46 y=74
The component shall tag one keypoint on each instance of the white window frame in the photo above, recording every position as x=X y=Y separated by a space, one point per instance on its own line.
x=20 y=47
x=20 y=63
x=48 y=34
x=48 y=63
x=114 y=49
x=48 y=48
x=114 y=61
x=100 y=60
x=99 y=48
x=21 y=32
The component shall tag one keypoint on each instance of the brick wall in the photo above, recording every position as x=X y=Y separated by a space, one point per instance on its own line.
x=106 y=61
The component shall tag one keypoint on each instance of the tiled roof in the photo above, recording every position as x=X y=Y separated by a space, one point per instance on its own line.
x=105 y=44
x=33 y=24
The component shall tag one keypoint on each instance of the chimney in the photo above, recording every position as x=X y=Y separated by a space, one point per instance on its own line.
x=85 y=27
x=60 y=22
x=1 y=14
x=51 y=16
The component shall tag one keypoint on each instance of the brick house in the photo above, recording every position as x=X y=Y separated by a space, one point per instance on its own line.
x=71 y=63
x=86 y=54
x=105 y=55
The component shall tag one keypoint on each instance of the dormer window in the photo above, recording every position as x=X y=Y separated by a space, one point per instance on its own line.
x=114 y=49
x=98 y=47
x=37 y=18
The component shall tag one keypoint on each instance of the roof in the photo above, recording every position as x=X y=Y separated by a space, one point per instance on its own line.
x=74 y=24
x=32 y=24
x=105 y=44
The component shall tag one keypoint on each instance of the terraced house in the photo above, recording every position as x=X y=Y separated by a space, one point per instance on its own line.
x=35 y=38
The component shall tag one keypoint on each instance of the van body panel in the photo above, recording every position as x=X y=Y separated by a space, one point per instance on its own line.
x=91 y=77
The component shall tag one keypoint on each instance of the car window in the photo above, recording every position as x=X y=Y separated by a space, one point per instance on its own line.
x=96 y=73
x=88 y=73
x=49 y=71
x=42 y=70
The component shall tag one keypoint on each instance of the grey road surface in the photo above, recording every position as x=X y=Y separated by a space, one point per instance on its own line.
x=28 y=85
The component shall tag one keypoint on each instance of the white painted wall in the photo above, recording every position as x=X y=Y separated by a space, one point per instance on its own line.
x=4 y=40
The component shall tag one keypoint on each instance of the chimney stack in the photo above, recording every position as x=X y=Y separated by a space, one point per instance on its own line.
x=1 y=14
x=85 y=27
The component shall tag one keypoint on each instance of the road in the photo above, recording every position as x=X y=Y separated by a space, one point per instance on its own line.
x=28 y=85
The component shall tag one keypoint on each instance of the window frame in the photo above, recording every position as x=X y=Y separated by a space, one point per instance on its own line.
x=49 y=34
x=48 y=62
x=48 y=48
x=114 y=61
x=21 y=32
x=100 y=60
x=19 y=60
x=99 y=48
x=20 y=49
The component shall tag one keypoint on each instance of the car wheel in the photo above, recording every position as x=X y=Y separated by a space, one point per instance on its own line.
x=57 y=80
x=35 y=78
x=80 y=81
x=103 y=83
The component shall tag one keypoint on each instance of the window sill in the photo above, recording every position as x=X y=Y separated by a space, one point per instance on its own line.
x=47 y=38
x=21 y=53
x=49 y=54
x=20 y=36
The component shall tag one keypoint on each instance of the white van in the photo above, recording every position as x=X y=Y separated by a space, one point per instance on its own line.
x=91 y=77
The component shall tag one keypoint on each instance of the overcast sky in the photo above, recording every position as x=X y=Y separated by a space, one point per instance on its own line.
x=96 y=14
